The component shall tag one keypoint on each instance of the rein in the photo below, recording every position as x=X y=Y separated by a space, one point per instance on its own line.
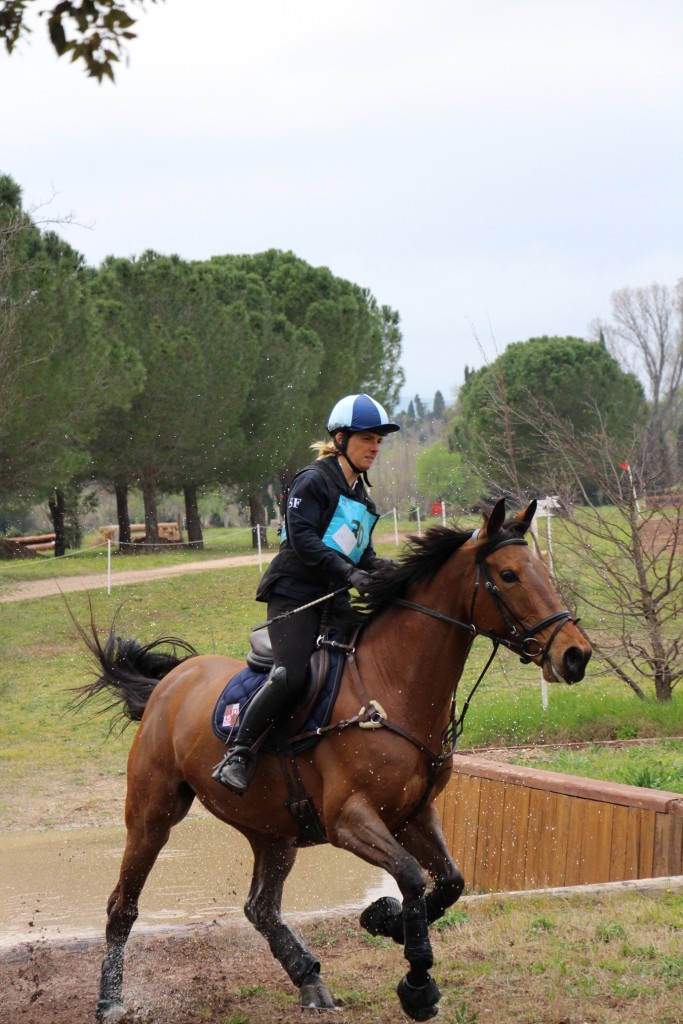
x=519 y=641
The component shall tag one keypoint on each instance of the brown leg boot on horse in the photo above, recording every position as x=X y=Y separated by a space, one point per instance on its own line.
x=236 y=770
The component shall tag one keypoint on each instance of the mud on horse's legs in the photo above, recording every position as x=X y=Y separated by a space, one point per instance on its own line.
x=142 y=850
x=273 y=860
x=148 y=829
x=110 y=1002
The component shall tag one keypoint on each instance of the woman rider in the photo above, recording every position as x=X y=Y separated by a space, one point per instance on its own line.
x=326 y=544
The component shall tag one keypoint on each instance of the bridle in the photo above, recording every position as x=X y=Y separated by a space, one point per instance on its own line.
x=521 y=638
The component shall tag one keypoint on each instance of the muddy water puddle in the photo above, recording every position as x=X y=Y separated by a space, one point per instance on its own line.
x=56 y=884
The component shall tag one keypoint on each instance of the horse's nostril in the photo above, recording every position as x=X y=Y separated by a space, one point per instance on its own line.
x=575 y=661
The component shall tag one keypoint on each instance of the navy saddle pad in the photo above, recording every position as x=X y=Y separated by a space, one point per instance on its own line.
x=240 y=690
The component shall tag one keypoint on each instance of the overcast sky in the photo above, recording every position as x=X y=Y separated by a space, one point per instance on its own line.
x=492 y=170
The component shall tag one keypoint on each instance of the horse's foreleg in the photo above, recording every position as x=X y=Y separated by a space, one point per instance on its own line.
x=273 y=860
x=422 y=838
x=361 y=830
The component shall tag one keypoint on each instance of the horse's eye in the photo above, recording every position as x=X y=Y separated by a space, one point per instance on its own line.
x=508 y=576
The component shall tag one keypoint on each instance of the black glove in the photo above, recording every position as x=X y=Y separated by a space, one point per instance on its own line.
x=391 y=563
x=360 y=580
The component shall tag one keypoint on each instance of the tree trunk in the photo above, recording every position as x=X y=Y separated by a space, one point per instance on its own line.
x=58 y=514
x=258 y=520
x=649 y=607
x=663 y=687
x=122 y=513
x=151 y=514
x=194 y=523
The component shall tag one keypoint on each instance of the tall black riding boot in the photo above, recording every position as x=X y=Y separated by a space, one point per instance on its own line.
x=236 y=769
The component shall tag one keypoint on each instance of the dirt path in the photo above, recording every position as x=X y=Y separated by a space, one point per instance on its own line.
x=96 y=581
x=67 y=584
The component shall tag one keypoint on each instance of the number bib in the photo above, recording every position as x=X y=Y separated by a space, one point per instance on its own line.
x=350 y=528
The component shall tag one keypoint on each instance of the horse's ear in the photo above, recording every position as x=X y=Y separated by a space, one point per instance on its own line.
x=527 y=515
x=495 y=520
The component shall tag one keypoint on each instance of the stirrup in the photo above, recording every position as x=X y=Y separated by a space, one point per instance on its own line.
x=236 y=770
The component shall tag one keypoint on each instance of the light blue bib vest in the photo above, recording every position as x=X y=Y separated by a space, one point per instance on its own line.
x=349 y=530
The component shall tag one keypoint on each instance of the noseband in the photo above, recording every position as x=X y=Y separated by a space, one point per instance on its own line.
x=521 y=638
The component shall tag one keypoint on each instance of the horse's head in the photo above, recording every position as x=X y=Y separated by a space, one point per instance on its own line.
x=516 y=602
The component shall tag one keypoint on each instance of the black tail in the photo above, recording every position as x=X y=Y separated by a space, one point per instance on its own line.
x=127 y=669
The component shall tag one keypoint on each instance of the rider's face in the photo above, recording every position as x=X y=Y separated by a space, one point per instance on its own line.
x=363 y=447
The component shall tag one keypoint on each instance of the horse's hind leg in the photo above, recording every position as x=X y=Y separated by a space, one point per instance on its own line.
x=273 y=860
x=148 y=830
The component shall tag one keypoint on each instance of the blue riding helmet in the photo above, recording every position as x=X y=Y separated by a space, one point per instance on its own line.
x=360 y=412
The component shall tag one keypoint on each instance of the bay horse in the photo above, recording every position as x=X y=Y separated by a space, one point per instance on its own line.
x=371 y=791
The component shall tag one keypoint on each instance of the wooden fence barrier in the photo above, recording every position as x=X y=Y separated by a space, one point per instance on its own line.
x=167 y=531
x=511 y=828
x=37 y=542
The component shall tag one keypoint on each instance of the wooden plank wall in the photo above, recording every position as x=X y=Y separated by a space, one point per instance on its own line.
x=511 y=828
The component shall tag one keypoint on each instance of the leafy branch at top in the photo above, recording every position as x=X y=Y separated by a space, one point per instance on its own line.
x=93 y=31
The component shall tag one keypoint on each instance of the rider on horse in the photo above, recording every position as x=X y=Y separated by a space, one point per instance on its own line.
x=326 y=546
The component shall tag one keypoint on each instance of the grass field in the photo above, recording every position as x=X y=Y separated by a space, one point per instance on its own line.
x=42 y=657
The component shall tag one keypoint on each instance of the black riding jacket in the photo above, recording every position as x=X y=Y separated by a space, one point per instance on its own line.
x=309 y=562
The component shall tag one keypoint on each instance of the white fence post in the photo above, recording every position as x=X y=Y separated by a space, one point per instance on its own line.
x=545 y=508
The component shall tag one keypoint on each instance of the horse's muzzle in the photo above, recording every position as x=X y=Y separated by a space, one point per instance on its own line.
x=574 y=662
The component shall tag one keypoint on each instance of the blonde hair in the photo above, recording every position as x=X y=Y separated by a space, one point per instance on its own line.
x=325 y=449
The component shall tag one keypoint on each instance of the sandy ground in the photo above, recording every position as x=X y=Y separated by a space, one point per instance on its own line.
x=213 y=973
x=224 y=974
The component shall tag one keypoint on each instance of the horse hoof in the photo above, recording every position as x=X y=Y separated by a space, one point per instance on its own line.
x=109 y=1013
x=316 y=996
x=384 y=917
x=419 y=1003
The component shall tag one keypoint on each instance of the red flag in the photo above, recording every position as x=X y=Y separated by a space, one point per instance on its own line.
x=623 y=465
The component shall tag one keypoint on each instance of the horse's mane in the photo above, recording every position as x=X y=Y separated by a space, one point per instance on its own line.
x=423 y=557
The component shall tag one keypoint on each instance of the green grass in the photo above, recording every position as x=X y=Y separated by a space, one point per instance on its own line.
x=507 y=709
x=42 y=656
x=652 y=766
x=91 y=559
x=608 y=958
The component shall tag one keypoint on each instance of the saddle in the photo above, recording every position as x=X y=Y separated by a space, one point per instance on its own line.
x=297 y=731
